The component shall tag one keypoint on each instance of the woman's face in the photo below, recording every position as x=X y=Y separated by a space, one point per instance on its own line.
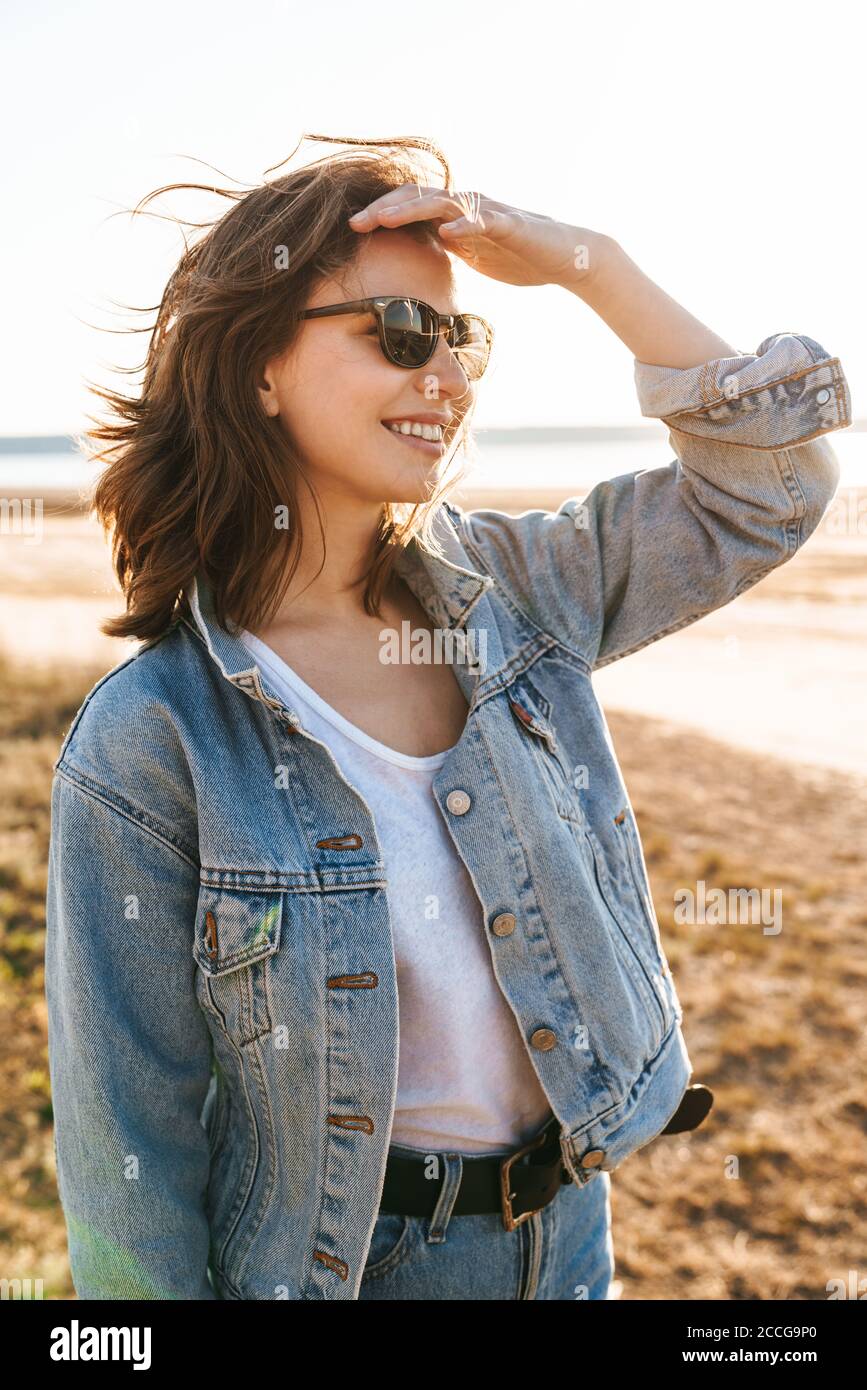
x=334 y=387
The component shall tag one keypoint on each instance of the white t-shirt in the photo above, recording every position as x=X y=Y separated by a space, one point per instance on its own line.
x=465 y=1080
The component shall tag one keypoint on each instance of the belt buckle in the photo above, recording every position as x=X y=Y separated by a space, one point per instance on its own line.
x=510 y=1221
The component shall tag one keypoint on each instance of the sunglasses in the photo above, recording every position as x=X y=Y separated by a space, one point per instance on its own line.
x=409 y=331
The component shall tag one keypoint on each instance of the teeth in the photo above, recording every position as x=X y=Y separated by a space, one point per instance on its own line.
x=432 y=432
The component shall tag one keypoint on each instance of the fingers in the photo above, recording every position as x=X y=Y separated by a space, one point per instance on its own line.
x=412 y=203
x=464 y=226
x=496 y=226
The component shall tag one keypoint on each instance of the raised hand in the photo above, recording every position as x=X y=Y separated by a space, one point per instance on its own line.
x=504 y=242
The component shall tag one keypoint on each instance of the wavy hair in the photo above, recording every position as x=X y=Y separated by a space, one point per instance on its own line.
x=194 y=469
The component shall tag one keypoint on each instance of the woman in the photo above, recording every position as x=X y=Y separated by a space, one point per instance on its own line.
x=357 y=763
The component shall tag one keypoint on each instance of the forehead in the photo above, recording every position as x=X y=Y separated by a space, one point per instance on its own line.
x=394 y=262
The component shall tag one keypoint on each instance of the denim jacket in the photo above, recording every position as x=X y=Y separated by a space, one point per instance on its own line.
x=220 y=972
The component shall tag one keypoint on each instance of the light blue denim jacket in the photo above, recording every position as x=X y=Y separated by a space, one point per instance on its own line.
x=220 y=972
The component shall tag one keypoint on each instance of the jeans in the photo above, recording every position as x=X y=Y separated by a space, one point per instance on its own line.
x=563 y=1252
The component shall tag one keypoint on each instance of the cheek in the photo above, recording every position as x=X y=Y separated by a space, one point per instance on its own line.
x=340 y=395
x=332 y=411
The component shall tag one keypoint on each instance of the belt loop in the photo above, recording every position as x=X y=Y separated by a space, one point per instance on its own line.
x=436 y=1224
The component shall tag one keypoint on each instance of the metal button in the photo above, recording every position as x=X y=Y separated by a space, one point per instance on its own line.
x=503 y=924
x=458 y=802
x=544 y=1039
x=823 y=396
x=593 y=1158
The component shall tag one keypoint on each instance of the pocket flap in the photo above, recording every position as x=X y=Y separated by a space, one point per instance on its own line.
x=531 y=708
x=235 y=927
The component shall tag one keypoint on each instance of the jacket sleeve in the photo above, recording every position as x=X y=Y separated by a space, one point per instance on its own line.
x=129 y=1051
x=646 y=553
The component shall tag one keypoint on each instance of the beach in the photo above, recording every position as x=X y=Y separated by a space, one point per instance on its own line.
x=781 y=670
x=741 y=740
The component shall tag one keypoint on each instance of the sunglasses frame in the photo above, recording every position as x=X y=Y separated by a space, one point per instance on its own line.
x=378 y=307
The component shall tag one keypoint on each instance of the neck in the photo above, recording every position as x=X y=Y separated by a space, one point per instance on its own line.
x=328 y=583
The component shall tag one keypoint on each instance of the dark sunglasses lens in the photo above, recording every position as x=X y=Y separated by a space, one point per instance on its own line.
x=471 y=345
x=411 y=329
x=410 y=332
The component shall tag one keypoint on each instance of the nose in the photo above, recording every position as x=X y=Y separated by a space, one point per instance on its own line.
x=451 y=379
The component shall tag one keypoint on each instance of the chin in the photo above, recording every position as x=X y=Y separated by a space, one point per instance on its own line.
x=412 y=487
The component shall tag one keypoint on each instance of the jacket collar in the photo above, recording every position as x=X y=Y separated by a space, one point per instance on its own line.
x=444 y=585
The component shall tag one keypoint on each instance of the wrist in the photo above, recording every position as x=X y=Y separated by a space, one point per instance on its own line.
x=593 y=255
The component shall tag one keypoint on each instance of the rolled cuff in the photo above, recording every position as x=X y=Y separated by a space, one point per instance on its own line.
x=788 y=392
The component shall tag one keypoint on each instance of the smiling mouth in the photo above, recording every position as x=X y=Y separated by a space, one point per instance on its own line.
x=430 y=446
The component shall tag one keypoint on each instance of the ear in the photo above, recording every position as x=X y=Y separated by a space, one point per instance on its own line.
x=268 y=392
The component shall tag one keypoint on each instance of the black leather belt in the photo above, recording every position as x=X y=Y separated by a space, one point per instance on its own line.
x=519 y=1184
x=517 y=1189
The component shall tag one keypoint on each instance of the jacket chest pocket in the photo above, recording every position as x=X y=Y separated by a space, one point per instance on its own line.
x=238 y=932
x=532 y=712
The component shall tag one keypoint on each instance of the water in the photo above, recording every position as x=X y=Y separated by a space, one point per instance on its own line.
x=573 y=466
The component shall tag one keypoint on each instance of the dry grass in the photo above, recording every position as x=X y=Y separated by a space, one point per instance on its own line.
x=35 y=710
x=768 y=1199
x=774 y=1024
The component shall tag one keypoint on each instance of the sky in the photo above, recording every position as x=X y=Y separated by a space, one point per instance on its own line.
x=721 y=146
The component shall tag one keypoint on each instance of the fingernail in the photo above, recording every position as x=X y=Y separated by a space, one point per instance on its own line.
x=358 y=217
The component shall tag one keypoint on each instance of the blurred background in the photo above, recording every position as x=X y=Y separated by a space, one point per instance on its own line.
x=718 y=148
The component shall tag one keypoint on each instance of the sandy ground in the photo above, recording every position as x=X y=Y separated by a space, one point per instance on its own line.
x=781 y=670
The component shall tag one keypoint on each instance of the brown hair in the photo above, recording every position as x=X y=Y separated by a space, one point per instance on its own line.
x=195 y=469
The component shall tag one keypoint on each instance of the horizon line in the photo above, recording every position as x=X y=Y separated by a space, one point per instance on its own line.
x=494 y=434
